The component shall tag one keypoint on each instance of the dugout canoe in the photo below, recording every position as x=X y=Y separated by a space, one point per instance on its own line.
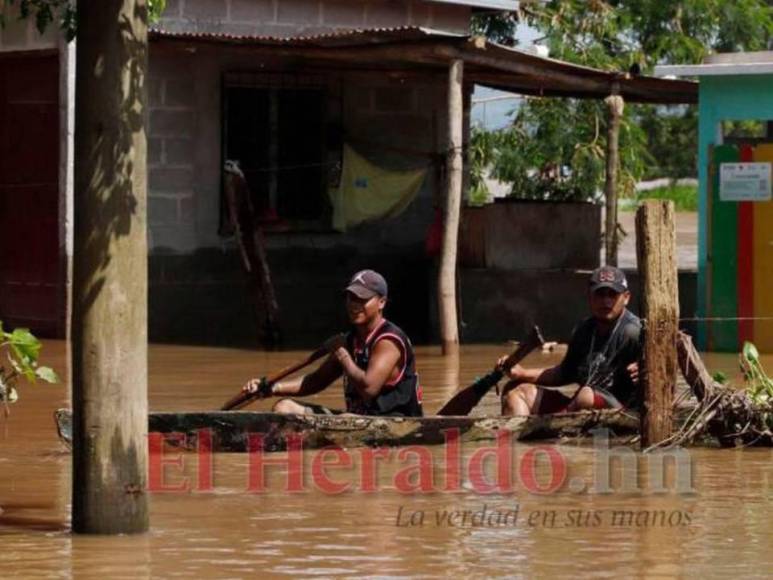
x=230 y=430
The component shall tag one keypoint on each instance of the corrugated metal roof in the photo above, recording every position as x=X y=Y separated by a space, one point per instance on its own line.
x=486 y=4
x=486 y=63
x=349 y=37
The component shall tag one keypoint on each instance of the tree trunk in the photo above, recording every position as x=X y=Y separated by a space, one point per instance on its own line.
x=615 y=104
x=656 y=255
x=449 y=329
x=110 y=271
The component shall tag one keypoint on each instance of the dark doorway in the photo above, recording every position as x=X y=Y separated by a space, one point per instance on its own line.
x=31 y=281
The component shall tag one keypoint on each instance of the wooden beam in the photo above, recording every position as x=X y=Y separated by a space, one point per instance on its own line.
x=656 y=255
x=615 y=106
x=449 y=326
x=521 y=68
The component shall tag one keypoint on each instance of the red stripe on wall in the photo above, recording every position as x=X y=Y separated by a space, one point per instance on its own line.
x=745 y=277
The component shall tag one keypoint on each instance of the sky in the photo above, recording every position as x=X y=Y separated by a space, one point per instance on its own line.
x=492 y=109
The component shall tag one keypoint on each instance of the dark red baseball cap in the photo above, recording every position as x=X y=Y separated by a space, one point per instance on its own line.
x=608 y=277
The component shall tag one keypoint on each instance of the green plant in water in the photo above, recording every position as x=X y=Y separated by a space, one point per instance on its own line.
x=22 y=350
x=758 y=384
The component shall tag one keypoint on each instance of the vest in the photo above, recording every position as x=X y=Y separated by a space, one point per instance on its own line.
x=401 y=396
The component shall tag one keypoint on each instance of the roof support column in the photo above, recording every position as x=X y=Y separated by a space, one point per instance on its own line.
x=449 y=326
x=615 y=106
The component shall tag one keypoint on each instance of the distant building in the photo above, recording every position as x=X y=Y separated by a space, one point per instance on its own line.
x=735 y=235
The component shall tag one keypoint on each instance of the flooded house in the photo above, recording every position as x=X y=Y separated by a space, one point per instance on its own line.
x=333 y=113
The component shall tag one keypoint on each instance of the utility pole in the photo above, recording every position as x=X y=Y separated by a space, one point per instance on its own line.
x=109 y=324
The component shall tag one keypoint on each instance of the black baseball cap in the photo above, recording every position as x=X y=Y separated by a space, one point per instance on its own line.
x=608 y=277
x=366 y=284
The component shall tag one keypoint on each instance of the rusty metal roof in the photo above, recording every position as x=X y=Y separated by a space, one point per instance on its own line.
x=333 y=38
x=486 y=63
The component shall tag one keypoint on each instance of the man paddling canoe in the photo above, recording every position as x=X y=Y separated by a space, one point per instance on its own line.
x=375 y=358
x=602 y=358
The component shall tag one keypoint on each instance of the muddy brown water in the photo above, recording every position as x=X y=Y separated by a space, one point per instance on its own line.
x=721 y=526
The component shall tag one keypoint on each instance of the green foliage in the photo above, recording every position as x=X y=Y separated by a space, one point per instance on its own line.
x=617 y=34
x=480 y=156
x=22 y=350
x=758 y=384
x=685 y=197
x=672 y=135
x=745 y=128
x=555 y=149
x=63 y=13
x=558 y=145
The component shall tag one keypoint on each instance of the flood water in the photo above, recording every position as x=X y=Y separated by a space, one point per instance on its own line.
x=718 y=525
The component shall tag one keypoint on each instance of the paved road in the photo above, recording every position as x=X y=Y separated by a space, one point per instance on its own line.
x=686 y=240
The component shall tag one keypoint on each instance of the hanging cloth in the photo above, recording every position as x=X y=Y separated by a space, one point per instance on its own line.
x=369 y=193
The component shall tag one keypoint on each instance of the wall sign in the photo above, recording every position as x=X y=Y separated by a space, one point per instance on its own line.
x=744 y=181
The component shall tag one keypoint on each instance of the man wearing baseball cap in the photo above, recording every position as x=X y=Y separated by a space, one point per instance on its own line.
x=602 y=358
x=375 y=359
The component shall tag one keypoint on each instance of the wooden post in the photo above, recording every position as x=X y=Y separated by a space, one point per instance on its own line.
x=656 y=255
x=616 y=105
x=109 y=326
x=449 y=329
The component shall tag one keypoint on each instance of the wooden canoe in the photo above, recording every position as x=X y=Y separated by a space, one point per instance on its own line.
x=231 y=429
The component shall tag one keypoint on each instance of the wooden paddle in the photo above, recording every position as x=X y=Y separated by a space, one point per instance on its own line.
x=244 y=398
x=465 y=400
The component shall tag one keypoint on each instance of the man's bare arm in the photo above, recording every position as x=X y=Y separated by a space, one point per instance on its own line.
x=382 y=364
x=547 y=377
x=309 y=384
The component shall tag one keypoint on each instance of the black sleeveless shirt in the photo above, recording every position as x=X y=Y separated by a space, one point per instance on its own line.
x=401 y=396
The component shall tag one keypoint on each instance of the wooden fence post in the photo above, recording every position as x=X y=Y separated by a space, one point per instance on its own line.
x=615 y=104
x=449 y=328
x=656 y=255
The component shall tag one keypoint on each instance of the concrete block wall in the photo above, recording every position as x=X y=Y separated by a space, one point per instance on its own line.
x=23 y=35
x=381 y=115
x=293 y=17
x=172 y=133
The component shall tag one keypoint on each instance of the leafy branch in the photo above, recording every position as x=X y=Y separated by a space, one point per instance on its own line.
x=62 y=12
x=22 y=350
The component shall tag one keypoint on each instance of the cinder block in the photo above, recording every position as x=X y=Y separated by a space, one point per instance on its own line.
x=165 y=123
x=187 y=209
x=421 y=14
x=276 y=30
x=166 y=180
x=298 y=12
x=179 y=151
x=399 y=99
x=15 y=32
x=205 y=9
x=451 y=18
x=162 y=210
x=179 y=92
x=155 y=91
x=360 y=97
x=172 y=9
x=259 y=11
x=155 y=148
x=386 y=13
x=343 y=13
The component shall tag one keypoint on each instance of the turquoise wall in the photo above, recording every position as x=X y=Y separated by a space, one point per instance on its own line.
x=722 y=98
